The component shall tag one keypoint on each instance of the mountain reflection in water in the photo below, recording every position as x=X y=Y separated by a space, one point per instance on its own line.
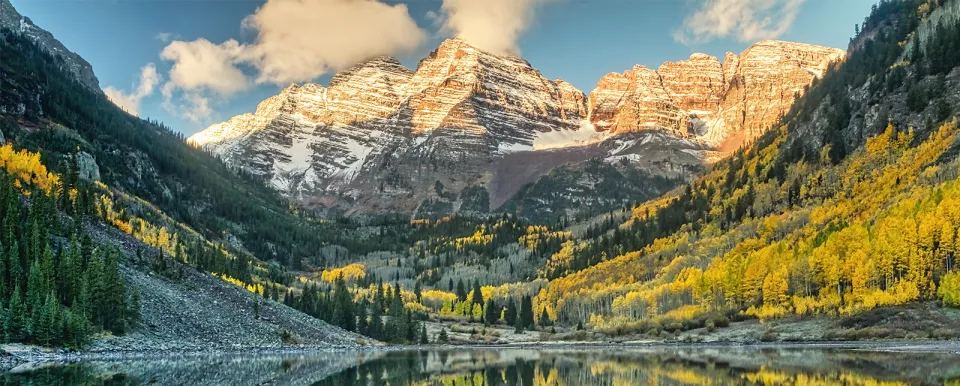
x=516 y=366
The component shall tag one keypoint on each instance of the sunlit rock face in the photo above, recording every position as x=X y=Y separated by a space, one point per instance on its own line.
x=385 y=138
x=722 y=104
x=382 y=127
x=502 y=95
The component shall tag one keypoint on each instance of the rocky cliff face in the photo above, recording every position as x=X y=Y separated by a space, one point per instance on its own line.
x=381 y=130
x=459 y=86
x=384 y=138
x=723 y=105
x=12 y=20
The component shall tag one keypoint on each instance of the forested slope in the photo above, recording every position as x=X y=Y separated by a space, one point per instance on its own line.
x=50 y=114
x=133 y=237
x=849 y=205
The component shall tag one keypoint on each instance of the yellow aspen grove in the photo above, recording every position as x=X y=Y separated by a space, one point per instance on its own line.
x=775 y=288
x=879 y=229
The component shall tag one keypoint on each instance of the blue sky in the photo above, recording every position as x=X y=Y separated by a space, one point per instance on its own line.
x=576 y=40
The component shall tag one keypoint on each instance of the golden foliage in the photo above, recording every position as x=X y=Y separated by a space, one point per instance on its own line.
x=879 y=229
x=349 y=273
x=255 y=288
x=27 y=168
x=950 y=289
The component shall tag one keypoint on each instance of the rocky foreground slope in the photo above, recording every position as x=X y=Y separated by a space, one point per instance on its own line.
x=383 y=138
x=194 y=311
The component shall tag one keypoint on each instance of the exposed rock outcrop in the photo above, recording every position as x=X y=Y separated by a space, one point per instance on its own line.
x=87 y=166
x=723 y=105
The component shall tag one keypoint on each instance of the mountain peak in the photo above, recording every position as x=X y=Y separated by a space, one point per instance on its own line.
x=381 y=66
x=12 y=20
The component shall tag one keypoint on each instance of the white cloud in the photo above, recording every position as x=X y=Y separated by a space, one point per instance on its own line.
x=492 y=25
x=296 y=41
x=202 y=65
x=299 y=40
x=192 y=105
x=743 y=20
x=164 y=36
x=149 y=78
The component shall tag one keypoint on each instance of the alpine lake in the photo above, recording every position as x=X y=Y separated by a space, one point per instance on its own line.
x=825 y=364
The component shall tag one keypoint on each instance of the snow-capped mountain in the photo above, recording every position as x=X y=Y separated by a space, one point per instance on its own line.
x=384 y=138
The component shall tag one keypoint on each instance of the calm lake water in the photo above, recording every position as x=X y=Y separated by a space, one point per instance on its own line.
x=481 y=367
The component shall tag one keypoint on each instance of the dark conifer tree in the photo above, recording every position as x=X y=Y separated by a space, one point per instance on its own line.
x=491 y=313
x=526 y=312
x=477 y=294
x=461 y=291
x=510 y=314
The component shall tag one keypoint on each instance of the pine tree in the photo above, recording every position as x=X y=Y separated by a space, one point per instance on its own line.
x=4 y=276
x=84 y=302
x=114 y=297
x=36 y=290
x=477 y=294
x=510 y=315
x=410 y=327
x=96 y=291
x=16 y=267
x=424 y=339
x=379 y=299
x=518 y=326
x=461 y=291
x=14 y=324
x=418 y=292
x=526 y=312
x=343 y=312
x=442 y=336
x=48 y=267
x=376 y=323
x=363 y=324
x=544 y=318
x=396 y=307
x=134 y=307
x=491 y=313
x=47 y=321
x=69 y=270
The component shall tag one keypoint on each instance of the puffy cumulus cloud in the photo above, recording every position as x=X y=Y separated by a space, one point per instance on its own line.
x=200 y=65
x=744 y=20
x=492 y=25
x=130 y=102
x=296 y=41
x=299 y=40
x=192 y=105
x=201 y=68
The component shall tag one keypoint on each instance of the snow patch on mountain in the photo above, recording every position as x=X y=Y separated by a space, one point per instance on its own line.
x=584 y=135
